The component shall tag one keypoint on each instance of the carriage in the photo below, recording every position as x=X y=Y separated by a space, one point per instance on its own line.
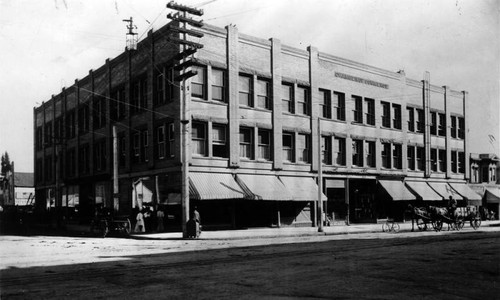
x=473 y=217
x=105 y=222
x=435 y=217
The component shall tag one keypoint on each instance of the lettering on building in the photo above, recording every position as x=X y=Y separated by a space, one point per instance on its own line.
x=361 y=80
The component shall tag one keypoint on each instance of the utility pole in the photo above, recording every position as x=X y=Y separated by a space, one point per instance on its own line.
x=184 y=66
x=116 y=195
x=320 y=180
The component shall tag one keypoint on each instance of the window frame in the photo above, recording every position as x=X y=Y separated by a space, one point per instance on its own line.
x=370 y=111
x=246 y=143
x=219 y=146
x=288 y=149
x=266 y=147
x=288 y=104
x=215 y=85
x=386 y=114
x=246 y=93
x=358 y=109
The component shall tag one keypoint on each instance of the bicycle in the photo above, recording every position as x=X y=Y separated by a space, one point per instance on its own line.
x=390 y=226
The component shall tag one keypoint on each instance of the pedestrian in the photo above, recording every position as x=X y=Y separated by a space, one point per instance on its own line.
x=139 y=225
x=196 y=215
x=160 y=215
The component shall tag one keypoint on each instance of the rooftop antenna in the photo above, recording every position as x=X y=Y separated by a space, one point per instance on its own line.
x=131 y=35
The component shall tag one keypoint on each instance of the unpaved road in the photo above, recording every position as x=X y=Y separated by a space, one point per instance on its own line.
x=463 y=265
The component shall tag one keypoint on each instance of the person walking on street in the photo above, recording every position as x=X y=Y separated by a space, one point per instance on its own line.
x=139 y=225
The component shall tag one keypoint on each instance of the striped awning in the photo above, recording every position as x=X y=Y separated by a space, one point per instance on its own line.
x=302 y=188
x=445 y=190
x=214 y=186
x=423 y=191
x=397 y=190
x=472 y=197
x=263 y=187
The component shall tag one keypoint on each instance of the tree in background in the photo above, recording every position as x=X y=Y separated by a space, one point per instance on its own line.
x=5 y=164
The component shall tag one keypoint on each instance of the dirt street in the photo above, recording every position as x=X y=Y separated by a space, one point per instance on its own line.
x=463 y=265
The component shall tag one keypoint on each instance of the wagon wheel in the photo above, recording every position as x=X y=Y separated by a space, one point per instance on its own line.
x=460 y=223
x=437 y=225
x=385 y=227
x=475 y=223
x=396 y=227
x=421 y=224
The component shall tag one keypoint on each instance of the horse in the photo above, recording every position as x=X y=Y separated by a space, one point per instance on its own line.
x=440 y=215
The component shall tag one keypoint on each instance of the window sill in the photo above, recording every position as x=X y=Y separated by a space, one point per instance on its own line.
x=362 y=124
x=215 y=102
x=255 y=108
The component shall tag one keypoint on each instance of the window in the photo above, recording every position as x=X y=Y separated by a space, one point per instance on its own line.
x=303 y=101
x=138 y=101
x=326 y=150
x=410 y=154
x=219 y=141
x=199 y=139
x=160 y=152
x=264 y=144
x=461 y=162
x=370 y=153
x=326 y=106
x=339 y=151
x=442 y=125
x=58 y=128
x=122 y=150
x=339 y=102
x=39 y=170
x=411 y=118
x=434 y=160
x=263 y=94
x=370 y=111
x=117 y=104
x=396 y=121
x=420 y=120
x=140 y=142
x=218 y=85
x=71 y=162
x=48 y=168
x=358 y=109
x=304 y=147
x=420 y=158
x=99 y=110
x=70 y=124
x=461 y=128
x=145 y=145
x=160 y=89
x=288 y=147
x=453 y=127
x=454 y=162
x=433 y=123
x=397 y=156
x=198 y=82
x=287 y=98
x=39 y=138
x=100 y=156
x=84 y=159
x=386 y=155
x=48 y=136
x=83 y=119
x=246 y=142
x=386 y=114
x=442 y=160
x=357 y=153
x=245 y=87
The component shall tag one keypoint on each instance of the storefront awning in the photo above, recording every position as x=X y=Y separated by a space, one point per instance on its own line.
x=423 y=190
x=492 y=195
x=214 y=186
x=445 y=190
x=302 y=188
x=472 y=197
x=262 y=187
x=397 y=190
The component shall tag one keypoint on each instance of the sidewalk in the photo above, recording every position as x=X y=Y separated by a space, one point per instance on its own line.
x=289 y=231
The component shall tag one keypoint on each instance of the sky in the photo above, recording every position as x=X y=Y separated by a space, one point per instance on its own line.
x=46 y=44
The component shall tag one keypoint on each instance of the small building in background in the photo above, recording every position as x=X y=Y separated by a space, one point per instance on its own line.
x=484 y=181
x=18 y=189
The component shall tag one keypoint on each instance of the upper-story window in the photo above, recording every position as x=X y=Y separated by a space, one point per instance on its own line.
x=245 y=90
x=396 y=116
x=461 y=128
x=99 y=109
x=397 y=156
x=164 y=87
x=264 y=144
x=454 y=162
x=287 y=98
x=339 y=151
x=326 y=150
x=410 y=119
x=263 y=94
x=420 y=120
x=198 y=87
x=370 y=153
x=100 y=156
x=358 y=109
x=303 y=101
x=370 y=111
x=140 y=145
x=453 y=127
x=326 y=105
x=304 y=147
x=442 y=125
x=48 y=135
x=410 y=154
x=288 y=147
x=339 y=103
x=386 y=155
x=117 y=104
x=83 y=119
x=199 y=139
x=357 y=153
x=218 y=80
x=139 y=99
x=434 y=165
x=39 y=138
x=386 y=114
x=219 y=141
x=246 y=142
x=461 y=162
x=70 y=124
x=442 y=160
x=420 y=158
